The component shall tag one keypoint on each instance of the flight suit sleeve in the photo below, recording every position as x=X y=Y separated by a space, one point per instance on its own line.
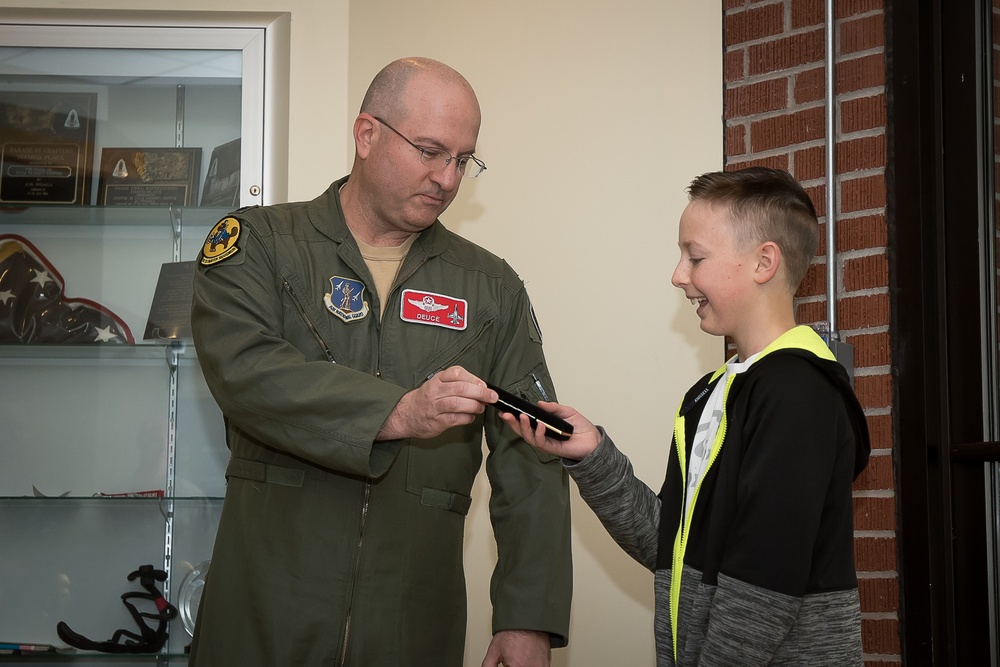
x=531 y=588
x=313 y=409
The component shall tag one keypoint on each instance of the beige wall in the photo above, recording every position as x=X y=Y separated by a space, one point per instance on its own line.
x=595 y=117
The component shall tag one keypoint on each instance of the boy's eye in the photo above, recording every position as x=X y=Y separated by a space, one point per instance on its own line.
x=696 y=260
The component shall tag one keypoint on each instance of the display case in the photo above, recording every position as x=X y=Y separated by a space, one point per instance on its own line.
x=126 y=135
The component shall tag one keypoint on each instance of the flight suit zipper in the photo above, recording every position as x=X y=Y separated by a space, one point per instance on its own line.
x=366 y=496
x=458 y=355
x=308 y=321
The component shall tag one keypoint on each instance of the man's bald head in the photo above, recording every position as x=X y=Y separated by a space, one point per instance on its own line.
x=386 y=96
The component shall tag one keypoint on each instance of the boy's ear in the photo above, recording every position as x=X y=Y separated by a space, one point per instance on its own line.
x=768 y=262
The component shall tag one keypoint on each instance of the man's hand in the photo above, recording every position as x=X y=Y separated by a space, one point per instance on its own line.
x=452 y=397
x=519 y=648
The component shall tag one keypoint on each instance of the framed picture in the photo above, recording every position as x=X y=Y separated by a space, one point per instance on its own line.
x=149 y=177
x=47 y=144
x=222 y=182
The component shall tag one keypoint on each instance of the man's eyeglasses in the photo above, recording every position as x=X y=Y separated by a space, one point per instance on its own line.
x=437 y=159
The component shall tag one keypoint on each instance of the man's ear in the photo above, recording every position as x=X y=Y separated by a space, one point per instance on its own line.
x=768 y=262
x=364 y=129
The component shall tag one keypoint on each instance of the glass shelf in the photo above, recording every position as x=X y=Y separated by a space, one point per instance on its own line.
x=108 y=500
x=140 y=350
x=107 y=215
x=82 y=421
x=103 y=658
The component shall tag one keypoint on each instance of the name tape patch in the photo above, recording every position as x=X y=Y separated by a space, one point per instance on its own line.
x=435 y=309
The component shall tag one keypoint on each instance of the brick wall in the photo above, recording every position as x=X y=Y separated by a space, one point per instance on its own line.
x=774 y=77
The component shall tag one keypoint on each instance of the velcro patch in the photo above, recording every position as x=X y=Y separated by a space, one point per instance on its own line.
x=221 y=241
x=346 y=299
x=434 y=309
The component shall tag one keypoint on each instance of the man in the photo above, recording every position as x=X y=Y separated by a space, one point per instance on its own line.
x=347 y=341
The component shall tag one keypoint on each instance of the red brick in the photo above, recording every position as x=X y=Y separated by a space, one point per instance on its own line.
x=874 y=513
x=810 y=163
x=736 y=139
x=810 y=12
x=810 y=85
x=857 y=233
x=880 y=431
x=731 y=4
x=848 y=8
x=781 y=54
x=807 y=13
x=756 y=98
x=814 y=282
x=862 y=34
x=773 y=161
x=863 y=153
x=862 y=194
x=875 y=554
x=753 y=24
x=856 y=74
x=874 y=391
x=734 y=65
x=870 y=349
x=817 y=194
x=814 y=311
x=879 y=594
x=863 y=311
x=878 y=475
x=868 y=272
x=787 y=130
x=863 y=113
x=880 y=636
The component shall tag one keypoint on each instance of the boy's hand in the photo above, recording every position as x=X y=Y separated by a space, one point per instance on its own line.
x=583 y=441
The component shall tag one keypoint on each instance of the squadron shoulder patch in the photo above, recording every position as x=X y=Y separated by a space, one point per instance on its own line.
x=434 y=309
x=346 y=299
x=221 y=242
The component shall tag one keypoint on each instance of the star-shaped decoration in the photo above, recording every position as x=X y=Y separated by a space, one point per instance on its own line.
x=41 y=277
x=6 y=296
x=105 y=334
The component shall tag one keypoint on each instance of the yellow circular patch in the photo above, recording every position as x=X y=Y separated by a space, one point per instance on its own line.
x=221 y=241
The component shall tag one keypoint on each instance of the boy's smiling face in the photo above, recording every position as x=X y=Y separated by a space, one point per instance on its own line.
x=713 y=273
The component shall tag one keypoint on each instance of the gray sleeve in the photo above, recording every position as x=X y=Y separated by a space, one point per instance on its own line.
x=747 y=624
x=629 y=510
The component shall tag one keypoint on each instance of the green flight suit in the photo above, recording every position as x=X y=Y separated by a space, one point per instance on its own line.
x=325 y=533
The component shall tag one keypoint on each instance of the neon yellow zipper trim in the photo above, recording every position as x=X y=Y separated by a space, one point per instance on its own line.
x=801 y=337
x=680 y=540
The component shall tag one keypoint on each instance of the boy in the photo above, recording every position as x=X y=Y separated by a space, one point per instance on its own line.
x=751 y=535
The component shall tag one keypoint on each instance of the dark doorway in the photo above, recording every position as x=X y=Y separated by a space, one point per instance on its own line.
x=941 y=206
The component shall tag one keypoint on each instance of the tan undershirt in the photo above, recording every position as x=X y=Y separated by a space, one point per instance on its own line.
x=384 y=265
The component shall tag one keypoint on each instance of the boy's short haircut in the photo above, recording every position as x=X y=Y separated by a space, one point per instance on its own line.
x=765 y=205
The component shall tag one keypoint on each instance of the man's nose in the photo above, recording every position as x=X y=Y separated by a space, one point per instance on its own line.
x=447 y=177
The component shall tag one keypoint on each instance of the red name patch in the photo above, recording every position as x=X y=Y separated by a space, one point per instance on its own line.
x=434 y=309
